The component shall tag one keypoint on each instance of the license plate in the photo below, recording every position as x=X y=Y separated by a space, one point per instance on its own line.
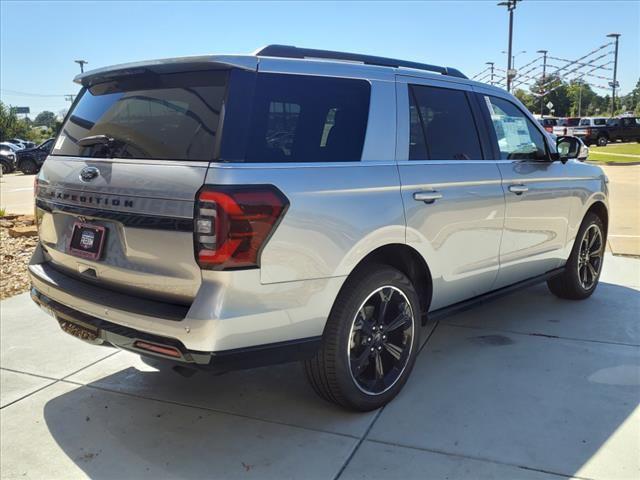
x=78 y=331
x=87 y=240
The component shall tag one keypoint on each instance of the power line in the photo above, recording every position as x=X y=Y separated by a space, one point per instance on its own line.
x=26 y=94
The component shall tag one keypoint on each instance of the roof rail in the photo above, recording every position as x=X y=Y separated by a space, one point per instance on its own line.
x=288 y=51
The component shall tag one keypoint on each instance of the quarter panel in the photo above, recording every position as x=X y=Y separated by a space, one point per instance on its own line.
x=338 y=213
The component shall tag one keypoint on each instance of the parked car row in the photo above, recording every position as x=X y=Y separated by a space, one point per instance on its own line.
x=595 y=130
x=25 y=157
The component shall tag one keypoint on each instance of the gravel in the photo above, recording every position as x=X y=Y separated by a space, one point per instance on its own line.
x=15 y=253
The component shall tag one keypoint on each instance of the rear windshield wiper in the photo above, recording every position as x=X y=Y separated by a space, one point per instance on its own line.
x=109 y=143
x=96 y=140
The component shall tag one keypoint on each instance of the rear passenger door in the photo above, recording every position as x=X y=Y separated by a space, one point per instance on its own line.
x=452 y=195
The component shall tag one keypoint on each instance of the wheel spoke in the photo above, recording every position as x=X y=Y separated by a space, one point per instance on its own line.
x=361 y=362
x=384 y=303
x=593 y=233
x=583 y=275
x=379 y=368
x=592 y=271
x=394 y=350
x=400 y=321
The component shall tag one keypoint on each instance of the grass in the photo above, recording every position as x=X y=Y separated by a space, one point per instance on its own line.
x=3 y=212
x=607 y=154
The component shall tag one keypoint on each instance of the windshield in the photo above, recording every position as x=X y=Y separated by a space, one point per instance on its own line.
x=165 y=117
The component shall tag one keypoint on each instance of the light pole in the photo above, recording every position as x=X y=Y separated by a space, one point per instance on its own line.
x=544 y=74
x=615 y=73
x=513 y=57
x=580 y=98
x=491 y=64
x=511 y=6
x=82 y=63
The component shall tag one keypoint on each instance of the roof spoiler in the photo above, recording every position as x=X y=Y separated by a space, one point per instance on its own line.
x=288 y=51
x=169 y=65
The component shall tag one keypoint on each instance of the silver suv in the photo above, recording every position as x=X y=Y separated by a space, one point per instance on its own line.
x=225 y=212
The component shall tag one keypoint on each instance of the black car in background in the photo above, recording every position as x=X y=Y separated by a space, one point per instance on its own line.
x=30 y=160
x=623 y=129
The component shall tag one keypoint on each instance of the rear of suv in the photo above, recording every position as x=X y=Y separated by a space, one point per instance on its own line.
x=224 y=212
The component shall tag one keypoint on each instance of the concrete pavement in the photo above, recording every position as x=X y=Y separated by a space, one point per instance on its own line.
x=624 y=224
x=16 y=193
x=528 y=386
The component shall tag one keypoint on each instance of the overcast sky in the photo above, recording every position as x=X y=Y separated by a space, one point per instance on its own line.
x=40 y=40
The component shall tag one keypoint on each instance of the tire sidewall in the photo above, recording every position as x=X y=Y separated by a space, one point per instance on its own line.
x=356 y=294
x=572 y=264
x=602 y=141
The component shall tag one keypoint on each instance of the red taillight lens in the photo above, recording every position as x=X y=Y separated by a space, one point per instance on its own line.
x=233 y=223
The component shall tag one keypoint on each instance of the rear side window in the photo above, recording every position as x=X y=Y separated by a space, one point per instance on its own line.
x=599 y=121
x=165 y=117
x=441 y=125
x=298 y=118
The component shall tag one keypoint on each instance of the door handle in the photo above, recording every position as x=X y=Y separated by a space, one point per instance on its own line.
x=518 y=189
x=427 y=197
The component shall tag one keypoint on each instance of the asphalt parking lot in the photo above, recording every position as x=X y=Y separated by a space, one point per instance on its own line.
x=528 y=386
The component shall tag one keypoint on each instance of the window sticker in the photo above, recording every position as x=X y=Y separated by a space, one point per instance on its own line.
x=513 y=134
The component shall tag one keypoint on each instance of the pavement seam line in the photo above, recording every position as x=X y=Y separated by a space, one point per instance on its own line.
x=30 y=393
x=479 y=459
x=542 y=335
x=54 y=380
x=207 y=409
x=375 y=419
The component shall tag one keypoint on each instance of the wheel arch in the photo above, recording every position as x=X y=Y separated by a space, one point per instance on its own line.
x=408 y=261
x=600 y=209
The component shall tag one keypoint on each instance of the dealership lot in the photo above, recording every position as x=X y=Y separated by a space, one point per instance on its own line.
x=528 y=386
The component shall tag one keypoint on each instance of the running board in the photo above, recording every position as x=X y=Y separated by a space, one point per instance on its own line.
x=492 y=295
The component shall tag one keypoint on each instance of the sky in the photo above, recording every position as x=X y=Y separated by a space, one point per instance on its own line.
x=37 y=61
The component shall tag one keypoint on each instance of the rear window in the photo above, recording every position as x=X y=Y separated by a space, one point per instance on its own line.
x=298 y=118
x=165 y=117
x=441 y=125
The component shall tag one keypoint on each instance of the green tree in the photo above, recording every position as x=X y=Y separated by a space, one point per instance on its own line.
x=45 y=118
x=11 y=126
x=554 y=90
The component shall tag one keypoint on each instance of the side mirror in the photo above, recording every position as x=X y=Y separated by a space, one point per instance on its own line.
x=571 y=147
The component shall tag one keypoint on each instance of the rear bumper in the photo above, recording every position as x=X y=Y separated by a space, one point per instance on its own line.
x=233 y=322
x=110 y=334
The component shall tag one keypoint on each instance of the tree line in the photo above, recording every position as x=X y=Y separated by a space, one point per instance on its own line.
x=45 y=125
x=576 y=99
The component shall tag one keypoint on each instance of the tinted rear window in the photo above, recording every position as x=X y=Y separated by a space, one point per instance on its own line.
x=165 y=117
x=298 y=118
x=441 y=125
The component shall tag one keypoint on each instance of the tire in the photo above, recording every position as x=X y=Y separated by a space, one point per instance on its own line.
x=352 y=337
x=4 y=168
x=602 y=141
x=578 y=281
x=28 y=167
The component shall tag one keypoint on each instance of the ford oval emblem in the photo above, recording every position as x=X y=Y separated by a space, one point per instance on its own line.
x=89 y=173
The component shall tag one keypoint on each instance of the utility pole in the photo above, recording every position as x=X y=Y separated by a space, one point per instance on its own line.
x=614 y=84
x=580 y=98
x=82 y=63
x=544 y=74
x=491 y=64
x=70 y=98
x=511 y=6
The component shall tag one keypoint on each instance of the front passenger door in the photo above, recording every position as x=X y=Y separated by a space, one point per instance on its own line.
x=538 y=194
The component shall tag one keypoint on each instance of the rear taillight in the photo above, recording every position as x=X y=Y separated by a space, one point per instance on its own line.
x=233 y=223
x=588 y=132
